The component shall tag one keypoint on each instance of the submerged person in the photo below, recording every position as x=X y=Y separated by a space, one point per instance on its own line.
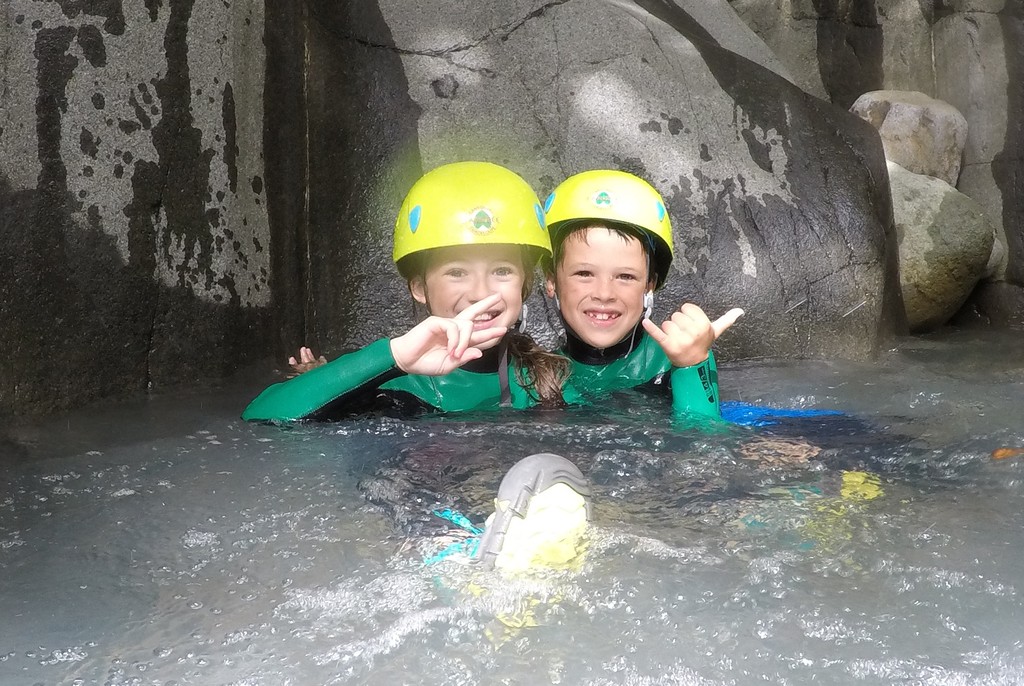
x=540 y=517
x=612 y=248
x=467 y=239
x=520 y=566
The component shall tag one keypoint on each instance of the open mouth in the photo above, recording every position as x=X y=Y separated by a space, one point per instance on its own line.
x=486 y=319
x=602 y=317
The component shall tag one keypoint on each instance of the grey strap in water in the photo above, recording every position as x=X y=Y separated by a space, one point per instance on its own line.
x=528 y=477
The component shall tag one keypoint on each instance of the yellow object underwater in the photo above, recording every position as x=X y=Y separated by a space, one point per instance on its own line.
x=860 y=486
x=550 y=535
x=540 y=516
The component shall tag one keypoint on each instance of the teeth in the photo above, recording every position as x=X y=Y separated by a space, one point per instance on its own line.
x=602 y=316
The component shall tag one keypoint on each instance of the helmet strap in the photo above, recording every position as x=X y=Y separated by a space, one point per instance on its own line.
x=506 y=391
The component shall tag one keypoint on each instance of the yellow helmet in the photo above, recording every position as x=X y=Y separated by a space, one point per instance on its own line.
x=616 y=197
x=469 y=203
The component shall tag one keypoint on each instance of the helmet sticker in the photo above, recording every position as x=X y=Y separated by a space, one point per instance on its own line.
x=661 y=211
x=482 y=220
x=540 y=215
x=414 y=218
x=547 y=203
x=602 y=198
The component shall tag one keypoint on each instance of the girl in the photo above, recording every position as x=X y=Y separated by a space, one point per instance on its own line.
x=467 y=240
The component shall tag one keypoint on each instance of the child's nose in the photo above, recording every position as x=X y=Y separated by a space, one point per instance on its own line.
x=479 y=290
x=604 y=290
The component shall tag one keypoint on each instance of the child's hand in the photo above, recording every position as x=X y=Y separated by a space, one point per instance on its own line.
x=439 y=345
x=305 y=362
x=688 y=335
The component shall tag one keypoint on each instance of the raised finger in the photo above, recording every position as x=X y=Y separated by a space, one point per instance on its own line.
x=695 y=313
x=481 y=336
x=458 y=337
x=726 y=320
x=654 y=331
x=678 y=325
x=479 y=307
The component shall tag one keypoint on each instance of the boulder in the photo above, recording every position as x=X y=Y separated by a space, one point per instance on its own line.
x=968 y=53
x=719 y=23
x=919 y=133
x=945 y=244
x=780 y=201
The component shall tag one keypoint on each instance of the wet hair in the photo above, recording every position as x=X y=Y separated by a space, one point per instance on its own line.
x=541 y=373
x=579 y=227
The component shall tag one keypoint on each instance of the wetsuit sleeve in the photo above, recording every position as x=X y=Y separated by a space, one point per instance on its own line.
x=695 y=389
x=350 y=375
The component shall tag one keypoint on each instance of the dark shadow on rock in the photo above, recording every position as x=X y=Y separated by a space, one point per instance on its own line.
x=285 y=160
x=992 y=303
x=341 y=151
x=79 y=320
x=80 y=323
x=1001 y=303
x=849 y=50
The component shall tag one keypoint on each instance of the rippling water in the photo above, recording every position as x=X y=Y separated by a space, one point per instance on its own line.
x=169 y=543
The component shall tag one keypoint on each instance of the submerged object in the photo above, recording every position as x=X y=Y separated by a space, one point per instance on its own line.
x=1003 y=453
x=861 y=486
x=540 y=518
x=748 y=414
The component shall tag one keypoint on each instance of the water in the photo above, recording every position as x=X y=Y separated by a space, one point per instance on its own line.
x=166 y=542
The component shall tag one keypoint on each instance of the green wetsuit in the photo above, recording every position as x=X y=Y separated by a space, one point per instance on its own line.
x=368 y=380
x=638 y=360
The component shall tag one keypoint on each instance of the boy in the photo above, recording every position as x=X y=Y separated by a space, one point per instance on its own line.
x=612 y=243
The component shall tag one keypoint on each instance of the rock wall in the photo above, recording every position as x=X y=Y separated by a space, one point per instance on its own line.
x=980 y=70
x=839 y=49
x=187 y=187
x=133 y=223
x=969 y=53
x=780 y=201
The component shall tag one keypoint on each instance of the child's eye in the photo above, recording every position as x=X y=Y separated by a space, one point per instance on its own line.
x=627 y=277
x=505 y=271
x=583 y=273
x=455 y=273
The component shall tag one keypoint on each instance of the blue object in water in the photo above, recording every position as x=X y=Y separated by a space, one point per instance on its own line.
x=758 y=415
x=467 y=546
x=458 y=519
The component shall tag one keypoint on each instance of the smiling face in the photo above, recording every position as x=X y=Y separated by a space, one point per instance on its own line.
x=600 y=278
x=456 y=277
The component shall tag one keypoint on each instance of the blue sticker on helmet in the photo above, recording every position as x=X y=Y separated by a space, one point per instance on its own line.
x=549 y=202
x=414 y=218
x=540 y=214
x=661 y=212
